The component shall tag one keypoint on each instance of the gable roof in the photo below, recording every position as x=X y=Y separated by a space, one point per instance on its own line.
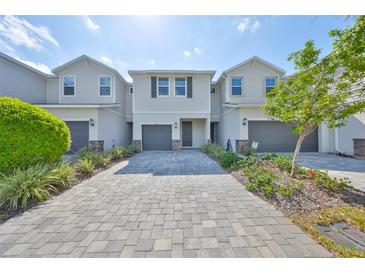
x=253 y=58
x=88 y=59
x=19 y=63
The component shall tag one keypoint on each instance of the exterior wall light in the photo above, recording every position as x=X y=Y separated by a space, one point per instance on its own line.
x=244 y=121
x=91 y=122
x=175 y=125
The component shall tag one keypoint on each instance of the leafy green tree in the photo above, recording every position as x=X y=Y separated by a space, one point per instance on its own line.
x=328 y=89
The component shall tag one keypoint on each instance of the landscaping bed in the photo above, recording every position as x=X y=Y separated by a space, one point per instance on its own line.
x=304 y=198
x=22 y=189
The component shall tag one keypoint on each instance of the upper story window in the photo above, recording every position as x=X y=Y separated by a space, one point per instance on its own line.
x=236 y=86
x=69 y=85
x=163 y=86
x=131 y=90
x=212 y=90
x=104 y=85
x=180 y=87
x=270 y=83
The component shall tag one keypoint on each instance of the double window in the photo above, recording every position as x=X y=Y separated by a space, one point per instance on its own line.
x=105 y=85
x=163 y=86
x=236 y=86
x=270 y=83
x=69 y=85
x=180 y=86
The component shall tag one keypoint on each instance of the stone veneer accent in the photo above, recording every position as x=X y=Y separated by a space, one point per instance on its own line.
x=359 y=147
x=240 y=145
x=176 y=145
x=137 y=144
x=96 y=145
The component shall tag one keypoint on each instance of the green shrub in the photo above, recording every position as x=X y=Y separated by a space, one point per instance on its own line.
x=228 y=159
x=286 y=191
x=130 y=150
x=99 y=159
x=118 y=153
x=248 y=151
x=283 y=162
x=323 y=179
x=62 y=176
x=213 y=150
x=85 y=167
x=29 y=135
x=269 y=156
x=260 y=179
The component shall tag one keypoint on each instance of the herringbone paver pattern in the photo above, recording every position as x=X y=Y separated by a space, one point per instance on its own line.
x=157 y=204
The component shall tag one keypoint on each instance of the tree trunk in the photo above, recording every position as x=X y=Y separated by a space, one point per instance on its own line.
x=296 y=152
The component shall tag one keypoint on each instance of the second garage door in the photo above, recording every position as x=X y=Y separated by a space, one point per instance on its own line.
x=156 y=137
x=275 y=136
x=79 y=135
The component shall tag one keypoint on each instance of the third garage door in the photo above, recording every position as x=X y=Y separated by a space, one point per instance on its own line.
x=275 y=136
x=156 y=137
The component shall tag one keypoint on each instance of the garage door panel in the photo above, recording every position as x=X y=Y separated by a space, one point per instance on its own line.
x=79 y=131
x=156 y=137
x=275 y=136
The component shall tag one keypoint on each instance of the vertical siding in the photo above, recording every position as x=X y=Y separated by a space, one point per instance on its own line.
x=17 y=81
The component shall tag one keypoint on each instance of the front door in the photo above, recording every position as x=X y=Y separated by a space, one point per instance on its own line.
x=187 y=134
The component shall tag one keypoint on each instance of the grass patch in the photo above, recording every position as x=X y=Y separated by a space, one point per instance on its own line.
x=351 y=215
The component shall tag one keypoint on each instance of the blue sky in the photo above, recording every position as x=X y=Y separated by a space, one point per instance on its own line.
x=163 y=42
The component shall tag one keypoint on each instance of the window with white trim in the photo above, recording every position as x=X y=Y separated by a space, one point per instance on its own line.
x=163 y=86
x=105 y=85
x=68 y=85
x=270 y=83
x=236 y=86
x=180 y=86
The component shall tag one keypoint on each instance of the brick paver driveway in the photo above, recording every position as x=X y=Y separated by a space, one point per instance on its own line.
x=159 y=204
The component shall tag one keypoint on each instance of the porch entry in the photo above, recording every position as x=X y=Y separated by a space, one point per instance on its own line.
x=187 y=133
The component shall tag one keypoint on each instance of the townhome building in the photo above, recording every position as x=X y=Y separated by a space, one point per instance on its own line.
x=169 y=109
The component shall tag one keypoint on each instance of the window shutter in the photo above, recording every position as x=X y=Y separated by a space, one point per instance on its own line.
x=190 y=87
x=153 y=87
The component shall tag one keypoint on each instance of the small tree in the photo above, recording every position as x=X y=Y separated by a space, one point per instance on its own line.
x=323 y=89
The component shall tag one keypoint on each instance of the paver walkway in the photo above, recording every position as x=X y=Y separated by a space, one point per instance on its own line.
x=159 y=204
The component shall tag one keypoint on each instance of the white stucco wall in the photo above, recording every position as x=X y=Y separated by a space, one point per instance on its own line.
x=87 y=84
x=53 y=91
x=143 y=102
x=215 y=104
x=19 y=82
x=253 y=79
x=355 y=128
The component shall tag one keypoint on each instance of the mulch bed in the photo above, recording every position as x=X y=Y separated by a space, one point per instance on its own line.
x=309 y=198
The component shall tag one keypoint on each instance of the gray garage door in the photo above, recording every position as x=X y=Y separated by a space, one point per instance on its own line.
x=156 y=137
x=79 y=135
x=275 y=136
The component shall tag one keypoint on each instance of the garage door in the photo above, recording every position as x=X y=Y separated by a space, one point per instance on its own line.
x=79 y=135
x=275 y=136
x=156 y=137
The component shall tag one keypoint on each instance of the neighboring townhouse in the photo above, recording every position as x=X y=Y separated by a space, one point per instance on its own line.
x=169 y=109
x=88 y=95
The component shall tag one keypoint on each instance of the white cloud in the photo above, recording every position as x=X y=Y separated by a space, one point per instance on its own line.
x=256 y=26
x=246 y=24
x=39 y=66
x=152 y=62
x=197 y=51
x=187 y=53
x=6 y=47
x=106 y=60
x=90 y=24
x=19 y=31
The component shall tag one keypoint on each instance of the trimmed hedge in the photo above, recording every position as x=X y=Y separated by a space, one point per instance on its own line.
x=29 y=135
